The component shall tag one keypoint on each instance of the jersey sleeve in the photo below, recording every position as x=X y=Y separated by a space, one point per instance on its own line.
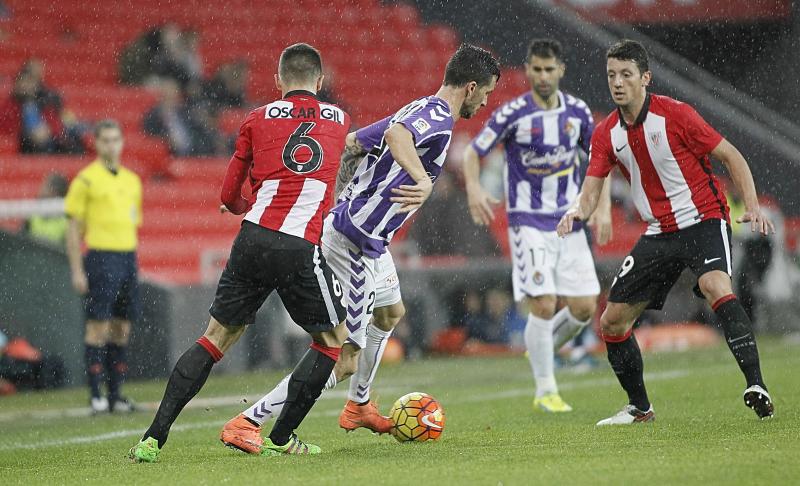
x=371 y=135
x=699 y=136
x=77 y=198
x=601 y=157
x=587 y=130
x=424 y=124
x=244 y=141
x=493 y=132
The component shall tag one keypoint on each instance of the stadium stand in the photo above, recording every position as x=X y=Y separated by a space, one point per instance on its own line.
x=80 y=43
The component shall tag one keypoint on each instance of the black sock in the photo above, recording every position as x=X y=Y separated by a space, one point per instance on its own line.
x=187 y=378
x=739 y=336
x=116 y=369
x=305 y=386
x=626 y=361
x=95 y=357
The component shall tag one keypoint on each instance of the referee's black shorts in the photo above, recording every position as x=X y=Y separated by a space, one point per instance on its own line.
x=113 y=285
x=656 y=262
x=263 y=260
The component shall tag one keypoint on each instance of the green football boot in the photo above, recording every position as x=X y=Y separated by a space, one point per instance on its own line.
x=145 y=451
x=294 y=446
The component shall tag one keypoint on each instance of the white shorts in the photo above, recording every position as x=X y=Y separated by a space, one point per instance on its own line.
x=544 y=264
x=368 y=283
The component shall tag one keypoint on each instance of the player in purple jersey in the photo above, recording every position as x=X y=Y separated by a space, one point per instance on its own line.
x=391 y=166
x=543 y=132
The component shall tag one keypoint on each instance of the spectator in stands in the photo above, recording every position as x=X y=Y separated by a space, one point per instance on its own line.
x=186 y=123
x=36 y=115
x=162 y=53
x=226 y=89
x=444 y=228
x=104 y=206
x=51 y=229
x=498 y=318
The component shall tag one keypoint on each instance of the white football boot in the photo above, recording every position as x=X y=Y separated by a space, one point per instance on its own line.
x=629 y=415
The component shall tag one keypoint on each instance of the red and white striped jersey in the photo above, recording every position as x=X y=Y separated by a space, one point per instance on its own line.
x=294 y=146
x=664 y=156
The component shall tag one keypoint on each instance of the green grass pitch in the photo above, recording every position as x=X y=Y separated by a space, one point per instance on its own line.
x=703 y=433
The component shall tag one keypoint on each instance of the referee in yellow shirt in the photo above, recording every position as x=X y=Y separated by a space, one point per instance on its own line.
x=104 y=206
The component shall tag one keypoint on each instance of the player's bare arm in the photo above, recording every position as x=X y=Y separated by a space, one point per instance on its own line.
x=74 y=237
x=350 y=159
x=353 y=146
x=401 y=145
x=479 y=200
x=584 y=206
x=600 y=220
x=740 y=173
x=231 y=195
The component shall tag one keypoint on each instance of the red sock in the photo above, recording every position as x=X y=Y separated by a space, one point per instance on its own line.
x=332 y=353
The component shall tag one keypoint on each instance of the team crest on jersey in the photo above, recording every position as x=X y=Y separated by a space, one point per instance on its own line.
x=655 y=138
x=421 y=126
x=538 y=278
x=569 y=129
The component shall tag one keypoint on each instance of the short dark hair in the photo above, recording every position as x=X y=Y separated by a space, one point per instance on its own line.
x=105 y=125
x=300 y=63
x=58 y=184
x=545 y=49
x=471 y=63
x=630 y=50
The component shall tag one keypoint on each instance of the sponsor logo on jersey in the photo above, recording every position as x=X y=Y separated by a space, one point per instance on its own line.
x=421 y=126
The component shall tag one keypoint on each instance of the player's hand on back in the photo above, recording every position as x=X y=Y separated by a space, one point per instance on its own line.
x=565 y=225
x=600 y=222
x=758 y=221
x=412 y=197
x=480 y=205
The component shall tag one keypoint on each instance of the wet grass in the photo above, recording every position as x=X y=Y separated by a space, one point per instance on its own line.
x=703 y=432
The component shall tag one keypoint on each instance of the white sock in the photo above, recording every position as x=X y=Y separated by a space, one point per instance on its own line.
x=271 y=404
x=565 y=329
x=539 y=341
x=368 y=362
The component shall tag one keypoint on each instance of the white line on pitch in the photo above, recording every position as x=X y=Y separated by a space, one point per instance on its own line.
x=231 y=400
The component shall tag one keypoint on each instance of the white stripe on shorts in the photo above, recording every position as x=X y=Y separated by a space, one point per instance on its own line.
x=724 y=225
x=323 y=287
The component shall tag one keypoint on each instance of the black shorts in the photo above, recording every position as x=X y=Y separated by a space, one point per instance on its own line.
x=263 y=260
x=113 y=285
x=654 y=265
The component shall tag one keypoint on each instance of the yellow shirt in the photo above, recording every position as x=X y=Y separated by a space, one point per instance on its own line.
x=109 y=205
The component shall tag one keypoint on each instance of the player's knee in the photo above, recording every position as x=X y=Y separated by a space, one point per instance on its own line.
x=715 y=285
x=543 y=307
x=388 y=319
x=120 y=333
x=612 y=325
x=98 y=333
x=223 y=336
x=583 y=311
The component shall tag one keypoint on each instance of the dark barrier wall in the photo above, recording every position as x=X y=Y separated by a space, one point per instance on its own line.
x=37 y=302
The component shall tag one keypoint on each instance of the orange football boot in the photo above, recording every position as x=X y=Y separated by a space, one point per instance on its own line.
x=354 y=416
x=240 y=433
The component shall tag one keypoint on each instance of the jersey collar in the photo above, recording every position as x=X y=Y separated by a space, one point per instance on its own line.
x=300 y=92
x=639 y=119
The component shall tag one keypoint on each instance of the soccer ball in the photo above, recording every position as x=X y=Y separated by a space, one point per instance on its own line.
x=417 y=417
